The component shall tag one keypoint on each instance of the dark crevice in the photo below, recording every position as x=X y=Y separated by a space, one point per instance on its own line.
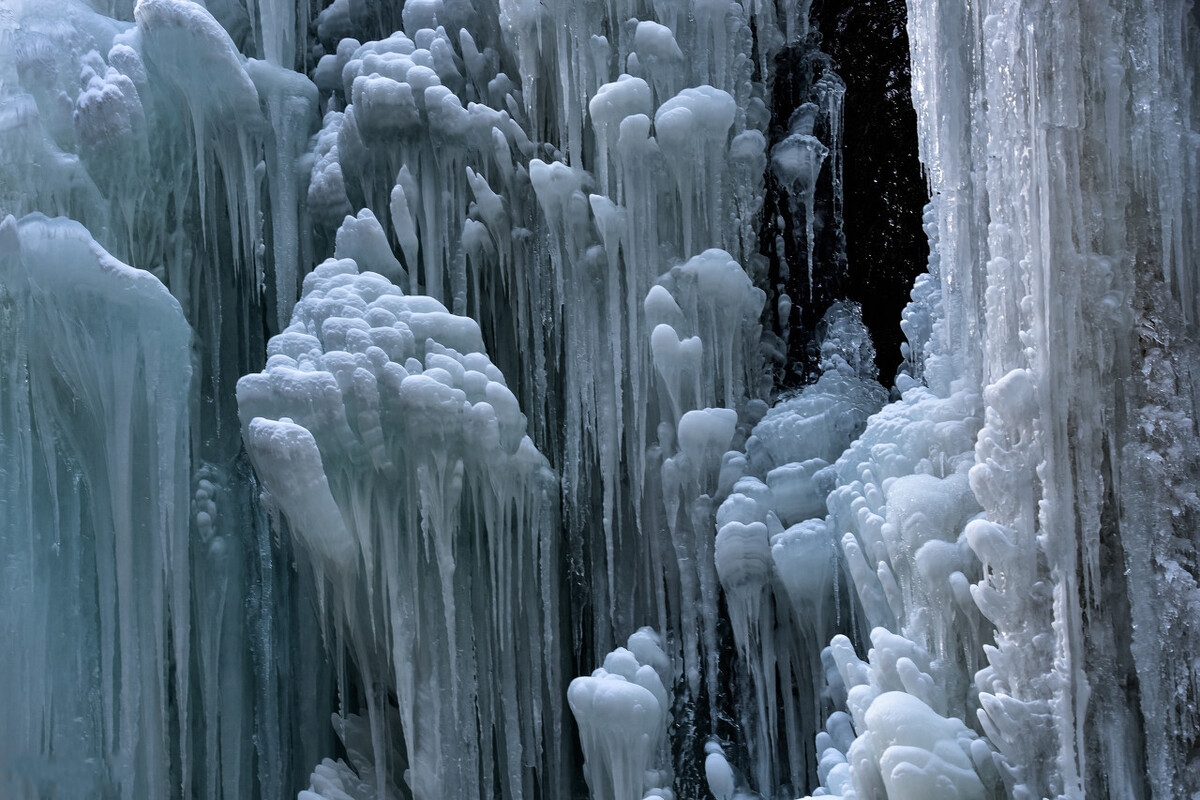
x=879 y=247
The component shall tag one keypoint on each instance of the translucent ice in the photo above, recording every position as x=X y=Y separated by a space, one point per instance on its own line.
x=96 y=599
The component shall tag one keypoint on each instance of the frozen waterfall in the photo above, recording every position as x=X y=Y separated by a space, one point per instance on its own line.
x=481 y=399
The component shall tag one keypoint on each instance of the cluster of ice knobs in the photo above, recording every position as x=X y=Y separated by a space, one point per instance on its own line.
x=446 y=367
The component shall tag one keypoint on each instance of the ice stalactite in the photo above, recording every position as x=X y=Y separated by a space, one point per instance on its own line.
x=711 y=298
x=777 y=558
x=427 y=521
x=290 y=100
x=623 y=710
x=556 y=266
x=94 y=532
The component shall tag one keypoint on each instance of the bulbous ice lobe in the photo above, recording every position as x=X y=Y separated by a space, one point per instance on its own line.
x=373 y=399
x=287 y=459
x=623 y=712
x=920 y=753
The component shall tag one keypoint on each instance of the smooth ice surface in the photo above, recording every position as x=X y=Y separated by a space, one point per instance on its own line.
x=94 y=536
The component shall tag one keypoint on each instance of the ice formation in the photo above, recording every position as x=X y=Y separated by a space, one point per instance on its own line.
x=397 y=455
x=96 y=584
x=623 y=711
x=371 y=369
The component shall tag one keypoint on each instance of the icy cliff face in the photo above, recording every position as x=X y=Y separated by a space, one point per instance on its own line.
x=445 y=370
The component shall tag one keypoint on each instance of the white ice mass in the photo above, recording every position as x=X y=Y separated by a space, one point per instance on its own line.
x=391 y=405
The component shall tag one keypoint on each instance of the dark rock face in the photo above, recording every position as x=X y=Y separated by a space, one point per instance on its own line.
x=868 y=243
x=796 y=81
x=883 y=185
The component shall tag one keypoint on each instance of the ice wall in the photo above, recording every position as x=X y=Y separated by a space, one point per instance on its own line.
x=507 y=307
x=1068 y=274
x=152 y=133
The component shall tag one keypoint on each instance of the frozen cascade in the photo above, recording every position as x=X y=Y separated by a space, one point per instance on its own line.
x=1074 y=307
x=102 y=125
x=475 y=337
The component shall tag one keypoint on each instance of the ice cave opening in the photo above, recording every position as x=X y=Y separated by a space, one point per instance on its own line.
x=531 y=399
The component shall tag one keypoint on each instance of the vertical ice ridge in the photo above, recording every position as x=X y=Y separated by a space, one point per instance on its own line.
x=290 y=105
x=123 y=122
x=1067 y=133
x=169 y=29
x=711 y=298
